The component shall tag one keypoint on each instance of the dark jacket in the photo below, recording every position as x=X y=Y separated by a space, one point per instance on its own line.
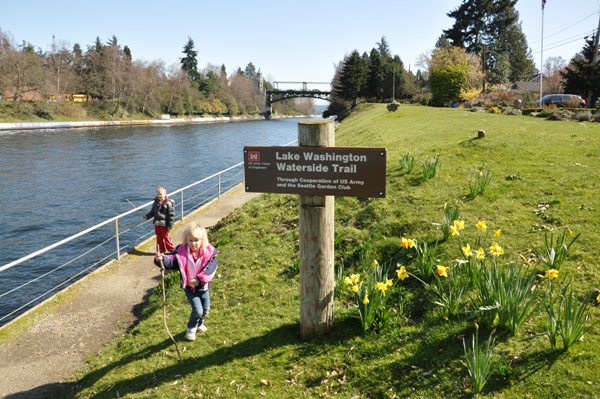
x=163 y=214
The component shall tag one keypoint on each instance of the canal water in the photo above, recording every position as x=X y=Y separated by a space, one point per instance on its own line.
x=57 y=182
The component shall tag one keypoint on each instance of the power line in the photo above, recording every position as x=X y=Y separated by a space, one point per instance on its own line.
x=563 y=42
x=570 y=26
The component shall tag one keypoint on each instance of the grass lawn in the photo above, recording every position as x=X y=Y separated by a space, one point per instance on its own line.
x=544 y=182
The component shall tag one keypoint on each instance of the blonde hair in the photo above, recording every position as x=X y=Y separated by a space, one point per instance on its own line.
x=194 y=230
x=161 y=190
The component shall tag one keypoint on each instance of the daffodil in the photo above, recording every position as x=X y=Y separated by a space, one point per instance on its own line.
x=366 y=300
x=459 y=224
x=481 y=226
x=355 y=288
x=454 y=231
x=480 y=254
x=467 y=251
x=569 y=232
x=389 y=282
x=374 y=263
x=442 y=271
x=407 y=243
x=354 y=278
x=598 y=298
x=402 y=273
x=551 y=274
x=347 y=281
x=381 y=287
x=496 y=250
x=497 y=233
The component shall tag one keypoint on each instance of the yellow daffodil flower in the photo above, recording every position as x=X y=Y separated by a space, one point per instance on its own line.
x=389 y=282
x=355 y=288
x=381 y=287
x=569 y=232
x=374 y=263
x=481 y=226
x=467 y=251
x=598 y=298
x=551 y=274
x=454 y=231
x=496 y=250
x=407 y=243
x=354 y=278
x=366 y=300
x=497 y=233
x=480 y=254
x=442 y=271
x=347 y=281
x=402 y=273
x=459 y=224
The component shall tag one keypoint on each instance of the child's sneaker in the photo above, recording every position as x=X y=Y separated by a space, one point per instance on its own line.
x=202 y=328
x=190 y=335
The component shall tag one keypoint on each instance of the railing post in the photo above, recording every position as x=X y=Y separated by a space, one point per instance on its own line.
x=182 y=214
x=117 y=239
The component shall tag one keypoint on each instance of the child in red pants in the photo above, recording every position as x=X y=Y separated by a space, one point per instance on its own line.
x=163 y=213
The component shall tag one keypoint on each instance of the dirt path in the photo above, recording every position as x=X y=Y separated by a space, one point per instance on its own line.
x=34 y=363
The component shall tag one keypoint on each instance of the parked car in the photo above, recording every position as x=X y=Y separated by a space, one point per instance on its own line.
x=562 y=100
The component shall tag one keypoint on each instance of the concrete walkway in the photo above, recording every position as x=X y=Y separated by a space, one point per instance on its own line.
x=40 y=350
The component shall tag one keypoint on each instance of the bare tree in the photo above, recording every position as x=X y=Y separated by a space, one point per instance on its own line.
x=552 y=74
x=61 y=74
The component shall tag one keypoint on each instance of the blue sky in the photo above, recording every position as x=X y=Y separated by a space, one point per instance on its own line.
x=288 y=40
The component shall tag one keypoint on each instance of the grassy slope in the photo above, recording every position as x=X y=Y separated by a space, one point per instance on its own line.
x=253 y=326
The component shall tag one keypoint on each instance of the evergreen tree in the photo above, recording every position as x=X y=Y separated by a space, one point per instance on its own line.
x=189 y=63
x=442 y=42
x=581 y=76
x=250 y=71
x=352 y=78
x=384 y=49
x=491 y=28
x=376 y=76
x=394 y=78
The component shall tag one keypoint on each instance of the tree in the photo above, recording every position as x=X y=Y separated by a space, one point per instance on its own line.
x=376 y=76
x=582 y=77
x=384 y=49
x=189 y=63
x=250 y=71
x=21 y=71
x=353 y=78
x=60 y=66
x=443 y=42
x=394 y=78
x=454 y=75
x=491 y=29
x=552 y=74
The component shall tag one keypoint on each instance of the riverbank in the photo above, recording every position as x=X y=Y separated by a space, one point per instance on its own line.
x=55 y=339
x=135 y=122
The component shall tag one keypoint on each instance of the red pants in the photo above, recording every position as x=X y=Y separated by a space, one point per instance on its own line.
x=163 y=239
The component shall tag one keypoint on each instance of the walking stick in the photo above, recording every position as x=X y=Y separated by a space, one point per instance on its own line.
x=162 y=280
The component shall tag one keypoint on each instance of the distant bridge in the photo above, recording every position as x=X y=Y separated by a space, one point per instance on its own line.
x=275 y=95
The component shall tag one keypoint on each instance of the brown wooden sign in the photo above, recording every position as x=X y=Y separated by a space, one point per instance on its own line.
x=340 y=171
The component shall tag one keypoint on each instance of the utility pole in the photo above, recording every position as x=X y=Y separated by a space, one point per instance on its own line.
x=542 y=58
x=594 y=60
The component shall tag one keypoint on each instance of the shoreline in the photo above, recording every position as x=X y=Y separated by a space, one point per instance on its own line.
x=134 y=122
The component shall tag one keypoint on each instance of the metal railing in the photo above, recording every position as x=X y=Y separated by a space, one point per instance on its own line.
x=90 y=248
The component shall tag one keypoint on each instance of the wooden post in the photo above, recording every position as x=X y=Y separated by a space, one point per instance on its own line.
x=316 y=230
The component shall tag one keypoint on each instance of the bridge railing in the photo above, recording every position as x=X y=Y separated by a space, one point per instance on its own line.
x=43 y=273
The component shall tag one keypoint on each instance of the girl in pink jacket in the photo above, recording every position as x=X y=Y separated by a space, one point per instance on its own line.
x=196 y=260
